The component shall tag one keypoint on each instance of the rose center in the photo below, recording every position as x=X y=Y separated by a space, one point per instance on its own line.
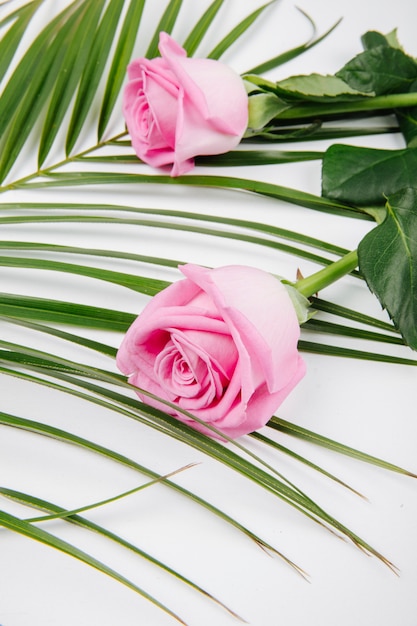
x=188 y=373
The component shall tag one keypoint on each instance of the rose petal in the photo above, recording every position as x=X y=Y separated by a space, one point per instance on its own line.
x=269 y=332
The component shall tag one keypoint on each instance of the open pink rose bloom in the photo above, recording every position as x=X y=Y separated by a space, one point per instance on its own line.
x=177 y=108
x=220 y=344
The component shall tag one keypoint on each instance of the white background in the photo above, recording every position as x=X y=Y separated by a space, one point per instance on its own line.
x=369 y=406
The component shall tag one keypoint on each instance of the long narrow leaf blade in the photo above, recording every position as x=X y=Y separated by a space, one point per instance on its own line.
x=279 y=192
x=68 y=74
x=61 y=312
x=166 y=24
x=11 y=40
x=56 y=512
x=137 y=283
x=178 y=430
x=196 y=35
x=26 y=529
x=61 y=435
x=237 y=32
x=294 y=430
x=293 y=53
x=93 y=71
x=30 y=86
x=121 y=58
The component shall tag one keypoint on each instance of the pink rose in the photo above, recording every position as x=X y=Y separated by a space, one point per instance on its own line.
x=177 y=108
x=221 y=344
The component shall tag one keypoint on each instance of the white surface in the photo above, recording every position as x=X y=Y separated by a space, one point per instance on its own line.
x=366 y=405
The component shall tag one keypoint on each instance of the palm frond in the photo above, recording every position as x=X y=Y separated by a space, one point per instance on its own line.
x=92 y=71
x=121 y=57
x=31 y=83
x=10 y=41
x=61 y=435
x=56 y=512
x=166 y=24
x=17 y=525
x=286 y=56
x=237 y=32
x=200 y=29
x=72 y=67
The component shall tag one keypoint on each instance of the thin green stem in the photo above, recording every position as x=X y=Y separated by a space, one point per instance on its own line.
x=328 y=275
x=44 y=172
x=365 y=105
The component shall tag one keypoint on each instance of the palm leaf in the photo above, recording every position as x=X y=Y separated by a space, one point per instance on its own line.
x=10 y=41
x=307 y=435
x=93 y=71
x=121 y=57
x=279 y=192
x=20 y=307
x=237 y=32
x=196 y=35
x=286 y=56
x=70 y=70
x=285 y=490
x=31 y=83
x=61 y=435
x=80 y=212
x=26 y=529
x=57 y=512
x=166 y=24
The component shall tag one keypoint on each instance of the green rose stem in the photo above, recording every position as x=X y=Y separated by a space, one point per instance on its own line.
x=328 y=275
x=369 y=105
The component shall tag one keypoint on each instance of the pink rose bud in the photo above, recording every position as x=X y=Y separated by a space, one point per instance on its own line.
x=177 y=108
x=220 y=344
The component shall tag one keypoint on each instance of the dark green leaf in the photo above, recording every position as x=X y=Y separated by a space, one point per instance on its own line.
x=373 y=39
x=365 y=176
x=277 y=446
x=388 y=261
x=380 y=70
x=62 y=435
x=121 y=58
